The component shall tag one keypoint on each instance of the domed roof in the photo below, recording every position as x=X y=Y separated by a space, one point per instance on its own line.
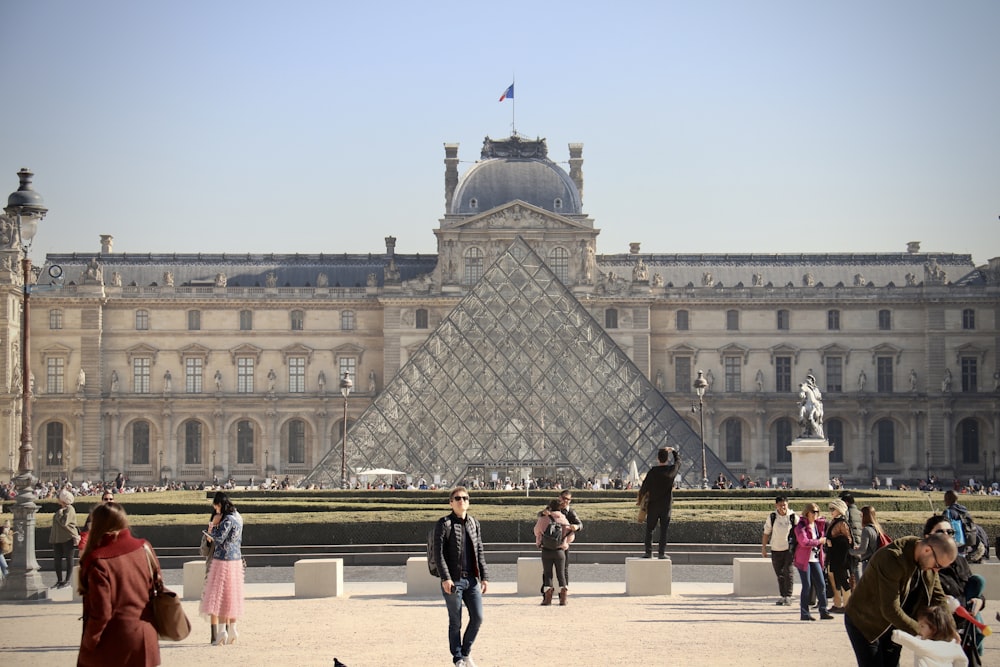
x=513 y=169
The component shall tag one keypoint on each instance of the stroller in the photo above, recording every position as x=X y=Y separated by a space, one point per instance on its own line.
x=972 y=638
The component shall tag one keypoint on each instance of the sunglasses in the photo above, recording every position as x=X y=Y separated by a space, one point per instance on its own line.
x=944 y=531
x=462 y=498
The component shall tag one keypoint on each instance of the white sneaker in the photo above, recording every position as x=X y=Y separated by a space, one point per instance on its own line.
x=461 y=663
x=469 y=662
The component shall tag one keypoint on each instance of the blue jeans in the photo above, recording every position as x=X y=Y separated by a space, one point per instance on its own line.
x=813 y=573
x=467 y=590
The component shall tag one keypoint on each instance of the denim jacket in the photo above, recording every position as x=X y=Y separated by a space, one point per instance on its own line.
x=228 y=537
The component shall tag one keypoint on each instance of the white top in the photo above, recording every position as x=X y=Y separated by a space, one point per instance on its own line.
x=931 y=653
x=779 y=531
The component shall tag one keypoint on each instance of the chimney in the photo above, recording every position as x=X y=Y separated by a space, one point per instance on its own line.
x=913 y=247
x=633 y=248
x=390 y=246
x=450 y=174
x=576 y=166
x=107 y=240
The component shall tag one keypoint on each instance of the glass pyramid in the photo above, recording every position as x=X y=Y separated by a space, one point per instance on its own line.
x=518 y=380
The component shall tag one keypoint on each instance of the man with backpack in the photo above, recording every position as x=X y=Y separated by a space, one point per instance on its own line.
x=460 y=561
x=966 y=532
x=779 y=536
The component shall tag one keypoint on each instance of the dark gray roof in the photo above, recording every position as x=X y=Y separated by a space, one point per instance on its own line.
x=497 y=181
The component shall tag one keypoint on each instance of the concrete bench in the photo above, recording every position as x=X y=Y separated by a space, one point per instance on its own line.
x=319 y=578
x=648 y=576
x=194 y=579
x=754 y=577
x=419 y=581
x=529 y=576
x=990 y=571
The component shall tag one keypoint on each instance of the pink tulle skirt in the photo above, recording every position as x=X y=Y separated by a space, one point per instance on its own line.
x=223 y=593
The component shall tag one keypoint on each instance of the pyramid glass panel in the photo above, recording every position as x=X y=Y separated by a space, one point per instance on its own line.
x=518 y=380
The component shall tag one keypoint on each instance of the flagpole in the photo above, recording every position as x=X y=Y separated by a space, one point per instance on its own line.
x=513 y=108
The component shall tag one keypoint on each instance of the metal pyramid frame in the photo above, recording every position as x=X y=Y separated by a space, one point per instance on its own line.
x=519 y=380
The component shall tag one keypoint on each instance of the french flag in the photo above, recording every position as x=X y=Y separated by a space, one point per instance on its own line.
x=508 y=94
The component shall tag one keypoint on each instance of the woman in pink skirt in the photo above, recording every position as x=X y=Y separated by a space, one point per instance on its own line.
x=222 y=598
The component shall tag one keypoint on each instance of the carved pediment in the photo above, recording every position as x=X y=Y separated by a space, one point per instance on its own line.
x=141 y=350
x=886 y=350
x=970 y=350
x=834 y=350
x=246 y=350
x=785 y=350
x=684 y=350
x=518 y=216
x=193 y=351
x=56 y=351
x=349 y=350
x=733 y=350
x=296 y=350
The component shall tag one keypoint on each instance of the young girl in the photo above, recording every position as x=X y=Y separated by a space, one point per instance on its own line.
x=936 y=646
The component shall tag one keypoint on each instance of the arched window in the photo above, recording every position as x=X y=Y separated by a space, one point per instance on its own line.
x=296 y=441
x=611 y=318
x=473 y=266
x=733 y=430
x=54 y=445
x=835 y=435
x=140 y=443
x=885 y=434
x=968 y=434
x=192 y=442
x=244 y=442
x=559 y=263
x=782 y=438
x=421 y=318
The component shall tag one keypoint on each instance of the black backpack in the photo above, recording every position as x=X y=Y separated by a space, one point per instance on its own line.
x=793 y=541
x=552 y=536
x=432 y=566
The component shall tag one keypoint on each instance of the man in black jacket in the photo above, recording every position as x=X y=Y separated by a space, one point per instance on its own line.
x=659 y=484
x=461 y=564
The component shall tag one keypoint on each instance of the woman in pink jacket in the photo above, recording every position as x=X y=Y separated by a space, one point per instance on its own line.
x=553 y=557
x=810 y=536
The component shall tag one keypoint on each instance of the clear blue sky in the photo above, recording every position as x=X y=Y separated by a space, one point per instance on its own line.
x=709 y=126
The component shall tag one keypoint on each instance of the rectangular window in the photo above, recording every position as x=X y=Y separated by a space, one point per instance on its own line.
x=968 y=319
x=141 y=367
x=192 y=443
x=244 y=443
x=141 y=320
x=783 y=318
x=298 y=320
x=833 y=320
x=421 y=320
x=835 y=374
x=194 y=320
x=732 y=367
x=782 y=373
x=244 y=375
x=970 y=375
x=55 y=319
x=611 y=318
x=193 y=373
x=732 y=320
x=682 y=375
x=682 y=320
x=296 y=375
x=884 y=320
x=883 y=371
x=55 y=375
x=246 y=320
x=350 y=365
x=347 y=322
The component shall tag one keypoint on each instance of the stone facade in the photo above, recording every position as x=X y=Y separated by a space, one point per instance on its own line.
x=903 y=345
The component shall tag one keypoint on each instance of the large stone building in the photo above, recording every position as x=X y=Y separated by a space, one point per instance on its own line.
x=186 y=366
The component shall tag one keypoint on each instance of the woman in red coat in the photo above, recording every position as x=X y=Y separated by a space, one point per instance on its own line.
x=115 y=582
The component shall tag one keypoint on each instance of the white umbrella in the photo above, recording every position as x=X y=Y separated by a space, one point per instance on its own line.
x=379 y=472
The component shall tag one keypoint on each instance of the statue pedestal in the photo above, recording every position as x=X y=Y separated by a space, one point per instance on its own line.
x=810 y=463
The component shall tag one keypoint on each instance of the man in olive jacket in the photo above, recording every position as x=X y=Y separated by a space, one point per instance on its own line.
x=901 y=579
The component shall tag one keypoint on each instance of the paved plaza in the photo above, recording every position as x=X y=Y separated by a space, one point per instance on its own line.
x=376 y=624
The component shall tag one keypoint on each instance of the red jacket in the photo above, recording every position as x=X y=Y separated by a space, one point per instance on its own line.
x=117 y=614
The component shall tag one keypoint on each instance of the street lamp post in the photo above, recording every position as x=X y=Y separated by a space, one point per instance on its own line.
x=700 y=385
x=871 y=451
x=986 y=474
x=267 y=454
x=927 y=455
x=161 y=467
x=18 y=225
x=345 y=390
